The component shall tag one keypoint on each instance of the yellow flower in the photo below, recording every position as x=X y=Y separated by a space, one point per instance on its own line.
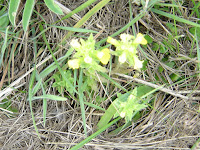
x=75 y=44
x=140 y=39
x=74 y=64
x=88 y=59
x=112 y=41
x=138 y=63
x=104 y=56
x=122 y=58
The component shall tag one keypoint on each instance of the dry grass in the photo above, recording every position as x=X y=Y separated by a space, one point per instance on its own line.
x=173 y=123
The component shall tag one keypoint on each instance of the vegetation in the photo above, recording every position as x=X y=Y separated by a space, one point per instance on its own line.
x=108 y=74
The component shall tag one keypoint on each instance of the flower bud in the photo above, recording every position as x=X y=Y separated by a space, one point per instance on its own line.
x=126 y=37
x=88 y=59
x=75 y=44
x=112 y=41
x=74 y=64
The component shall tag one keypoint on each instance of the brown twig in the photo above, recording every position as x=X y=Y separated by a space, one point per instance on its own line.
x=158 y=87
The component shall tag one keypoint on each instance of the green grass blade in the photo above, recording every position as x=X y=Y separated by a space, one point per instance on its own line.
x=196 y=145
x=94 y=106
x=44 y=100
x=53 y=7
x=30 y=96
x=28 y=9
x=44 y=110
x=195 y=9
x=42 y=32
x=80 y=91
x=51 y=97
x=11 y=54
x=91 y=13
x=12 y=10
x=4 y=46
x=148 y=91
x=198 y=50
x=82 y=143
x=175 y=17
x=78 y=9
x=74 y=29
x=88 y=15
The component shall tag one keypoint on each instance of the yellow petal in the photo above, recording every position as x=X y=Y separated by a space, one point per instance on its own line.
x=100 y=54
x=138 y=63
x=74 y=64
x=112 y=41
x=140 y=39
x=104 y=56
x=122 y=58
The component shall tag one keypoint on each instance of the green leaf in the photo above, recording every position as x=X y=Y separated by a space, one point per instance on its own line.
x=27 y=13
x=12 y=10
x=170 y=64
x=155 y=46
x=4 y=46
x=148 y=38
x=4 y=20
x=107 y=116
x=174 y=77
x=53 y=7
x=193 y=29
x=163 y=49
x=81 y=99
x=142 y=90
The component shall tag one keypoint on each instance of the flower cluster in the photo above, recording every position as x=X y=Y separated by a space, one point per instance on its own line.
x=126 y=49
x=127 y=109
x=87 y=57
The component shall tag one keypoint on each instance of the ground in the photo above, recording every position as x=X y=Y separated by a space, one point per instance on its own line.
x=171 y=121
